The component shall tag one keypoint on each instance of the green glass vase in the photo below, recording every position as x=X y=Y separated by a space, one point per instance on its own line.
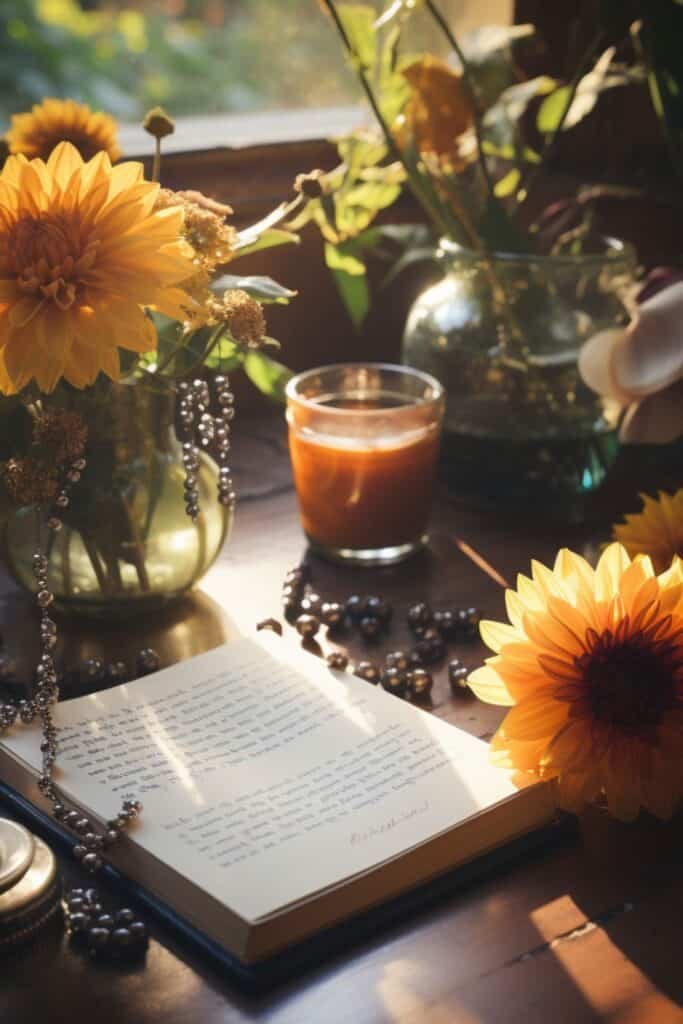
x=127 y=545
x=502 y=333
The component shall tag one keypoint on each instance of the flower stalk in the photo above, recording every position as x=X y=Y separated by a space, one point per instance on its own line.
x=467 y=79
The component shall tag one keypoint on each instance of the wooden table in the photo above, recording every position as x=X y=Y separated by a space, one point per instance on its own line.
x=583 y=931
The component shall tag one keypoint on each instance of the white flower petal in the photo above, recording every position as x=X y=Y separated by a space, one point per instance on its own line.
x=657 y=419
x=596 y=360
x=651 y=358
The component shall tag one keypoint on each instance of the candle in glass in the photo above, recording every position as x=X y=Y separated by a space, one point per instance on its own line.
x=364 y=441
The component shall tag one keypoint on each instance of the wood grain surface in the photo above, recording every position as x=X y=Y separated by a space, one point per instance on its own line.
x=584 y=931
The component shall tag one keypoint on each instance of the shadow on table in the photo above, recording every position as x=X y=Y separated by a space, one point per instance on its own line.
x=638 y=869
x=191 y=626
x=569 y=935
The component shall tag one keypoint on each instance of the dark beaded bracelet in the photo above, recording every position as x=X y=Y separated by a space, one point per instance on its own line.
x=116 y=935
x=420 y=683
x=307 y=626
x=368 y=671
x=457 y=676
x=337 y=660
x=399 y=660
x=394 y=681
x=332 y=614
x=370 y=627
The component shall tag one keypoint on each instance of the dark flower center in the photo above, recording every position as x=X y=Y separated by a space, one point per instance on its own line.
x=631 y=683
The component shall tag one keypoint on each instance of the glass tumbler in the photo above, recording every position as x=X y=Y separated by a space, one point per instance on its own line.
x=364 y=443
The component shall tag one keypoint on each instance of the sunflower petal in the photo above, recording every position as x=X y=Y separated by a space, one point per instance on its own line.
x=489 y=687
x=535 y=718
x=497 y=634
x=522 y=756
x=613 y=563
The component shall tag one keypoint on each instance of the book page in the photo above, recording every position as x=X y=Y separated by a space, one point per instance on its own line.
x=264 y=776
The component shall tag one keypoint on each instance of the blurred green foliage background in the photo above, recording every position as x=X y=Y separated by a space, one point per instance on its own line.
x=192 y=56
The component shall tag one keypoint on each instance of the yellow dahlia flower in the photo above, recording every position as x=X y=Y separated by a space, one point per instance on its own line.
x=82 y=251
x=593 y=666
x=35 y=134
x=657 y=531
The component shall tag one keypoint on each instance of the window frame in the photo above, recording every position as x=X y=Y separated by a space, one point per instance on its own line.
x=247 y=160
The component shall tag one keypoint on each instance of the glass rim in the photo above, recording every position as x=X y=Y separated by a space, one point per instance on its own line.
x=435 y=387
x=615 y=251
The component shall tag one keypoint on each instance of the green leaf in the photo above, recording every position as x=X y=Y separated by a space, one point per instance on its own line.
x=350 y=277
x=303 y=216
x=508 y=152
x=359 y=151
x=514 y=100
x=270 y=238
x=358 y=22
x=269 y=376
x=393 y=88
x=553 y=109
x=355 y=295
x=502 y=119
x=553 y=114
x=507 y=185
x=265 y=289
x=226 y=355
x=328 y=210
x=342 y=257
x=169 y=331
x=373 y=195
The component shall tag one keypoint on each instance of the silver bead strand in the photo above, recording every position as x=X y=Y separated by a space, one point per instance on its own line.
x=187 y=414
x=224 y=417
x=203 y=430
x=46 y=693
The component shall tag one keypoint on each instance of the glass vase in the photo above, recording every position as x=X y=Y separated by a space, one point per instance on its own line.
x=126 y=544
x=502 y=333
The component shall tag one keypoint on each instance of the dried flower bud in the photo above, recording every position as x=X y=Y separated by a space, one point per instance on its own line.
x=310 y=185
x=244 y=316
x=60 y=435
x=204 y=227
x=158 y=123
x=28 y=481
x=206 y=202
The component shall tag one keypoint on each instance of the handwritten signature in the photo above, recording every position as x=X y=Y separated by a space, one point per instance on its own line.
x=356 y=838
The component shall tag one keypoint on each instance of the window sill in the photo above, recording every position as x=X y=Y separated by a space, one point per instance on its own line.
x=244 y=131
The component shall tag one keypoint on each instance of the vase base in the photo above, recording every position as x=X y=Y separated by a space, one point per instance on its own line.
x=555 y=475
x=118 y=608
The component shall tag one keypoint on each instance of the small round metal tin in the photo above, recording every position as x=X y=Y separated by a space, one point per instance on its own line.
x=32 y=902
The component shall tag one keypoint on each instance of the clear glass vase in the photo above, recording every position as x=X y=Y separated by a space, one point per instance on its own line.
x=502 y=334
x=126 y=545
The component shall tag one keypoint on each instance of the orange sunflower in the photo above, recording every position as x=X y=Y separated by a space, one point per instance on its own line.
x=35 y=134
x=82 y=252
x=593 y=666
x=657 y=531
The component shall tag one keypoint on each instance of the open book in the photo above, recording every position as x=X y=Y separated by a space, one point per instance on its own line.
x=280 y=798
